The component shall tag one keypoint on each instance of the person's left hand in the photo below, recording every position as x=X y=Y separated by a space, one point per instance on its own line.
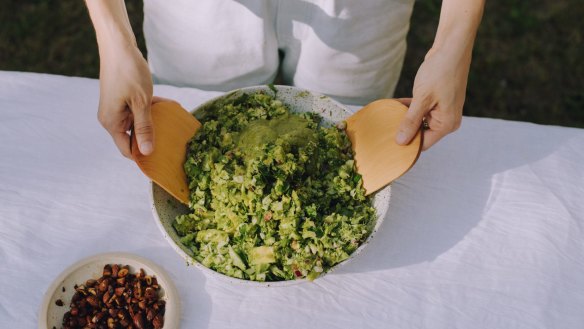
x=438 y=97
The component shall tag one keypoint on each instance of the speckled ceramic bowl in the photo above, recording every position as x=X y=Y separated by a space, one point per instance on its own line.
x=165 y=208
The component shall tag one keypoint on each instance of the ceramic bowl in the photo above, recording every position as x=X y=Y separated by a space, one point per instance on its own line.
x=51 y=315
x=165 y=208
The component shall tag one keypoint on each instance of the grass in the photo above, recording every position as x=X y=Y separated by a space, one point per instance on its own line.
x=527 y=62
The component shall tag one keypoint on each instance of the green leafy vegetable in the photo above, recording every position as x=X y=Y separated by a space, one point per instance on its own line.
x=274 y=195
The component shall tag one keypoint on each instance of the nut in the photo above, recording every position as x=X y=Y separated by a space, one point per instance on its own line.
x=123 y=315
x=81 y=322
x=150 y=314
x=107 y=270
x=98 y=317
x=106 y=297
x=123 y=272
x=115 y=270
x=158 y=322
x=138 y=320
x=92 y=300
x=76 y=297
x=119 y=291
x=125 y=323
x=149 y=293
x=103 y=285
x=113 y=312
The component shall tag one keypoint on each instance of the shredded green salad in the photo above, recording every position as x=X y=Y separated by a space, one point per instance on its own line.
x=274 y=195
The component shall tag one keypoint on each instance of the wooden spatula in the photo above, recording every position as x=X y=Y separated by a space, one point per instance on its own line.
x=173 y=127
x=379 y=159
x=371 y=130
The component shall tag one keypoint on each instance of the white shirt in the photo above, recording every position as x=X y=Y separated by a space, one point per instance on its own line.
x=348 y=49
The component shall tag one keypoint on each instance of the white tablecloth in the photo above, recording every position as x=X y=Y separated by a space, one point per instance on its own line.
x=486 y=231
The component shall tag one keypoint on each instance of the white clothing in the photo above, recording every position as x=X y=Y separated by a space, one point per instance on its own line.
x=348 y=49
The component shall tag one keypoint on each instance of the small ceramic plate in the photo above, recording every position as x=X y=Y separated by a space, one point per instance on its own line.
x=165 y=208
x=51 y=315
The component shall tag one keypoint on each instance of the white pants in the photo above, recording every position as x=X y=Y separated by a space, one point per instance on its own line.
x=351 y=50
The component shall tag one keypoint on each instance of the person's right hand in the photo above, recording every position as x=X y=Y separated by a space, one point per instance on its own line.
x=125 y=98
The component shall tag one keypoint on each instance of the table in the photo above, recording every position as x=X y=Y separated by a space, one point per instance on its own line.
x=486 y=231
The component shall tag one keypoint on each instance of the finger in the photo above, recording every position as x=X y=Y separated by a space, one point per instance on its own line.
x=143 y=128
x=405 y=101
x=122 y=141
x=412 y=121
x=431 y=137
x=439 y=126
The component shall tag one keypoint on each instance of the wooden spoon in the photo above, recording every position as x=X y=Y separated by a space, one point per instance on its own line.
x=379 y=159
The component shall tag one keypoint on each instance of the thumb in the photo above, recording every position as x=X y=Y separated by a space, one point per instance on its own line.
x=412 y=121
x=143 y=128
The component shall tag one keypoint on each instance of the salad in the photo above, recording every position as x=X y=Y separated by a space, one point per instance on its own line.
x=274 y=195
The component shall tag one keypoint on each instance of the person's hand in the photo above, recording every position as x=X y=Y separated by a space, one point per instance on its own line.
x=125 y=98
x=438 y=97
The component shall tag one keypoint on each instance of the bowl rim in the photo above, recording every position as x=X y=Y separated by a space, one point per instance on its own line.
x=223 y=277
x=171 y=319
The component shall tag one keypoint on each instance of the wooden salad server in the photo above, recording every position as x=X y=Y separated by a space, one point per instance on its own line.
x=173 y=128
x=379 y=159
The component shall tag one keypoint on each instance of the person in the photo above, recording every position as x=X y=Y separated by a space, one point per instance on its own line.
x=350 y=50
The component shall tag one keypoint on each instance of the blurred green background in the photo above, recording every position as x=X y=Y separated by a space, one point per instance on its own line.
x=527 y=65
